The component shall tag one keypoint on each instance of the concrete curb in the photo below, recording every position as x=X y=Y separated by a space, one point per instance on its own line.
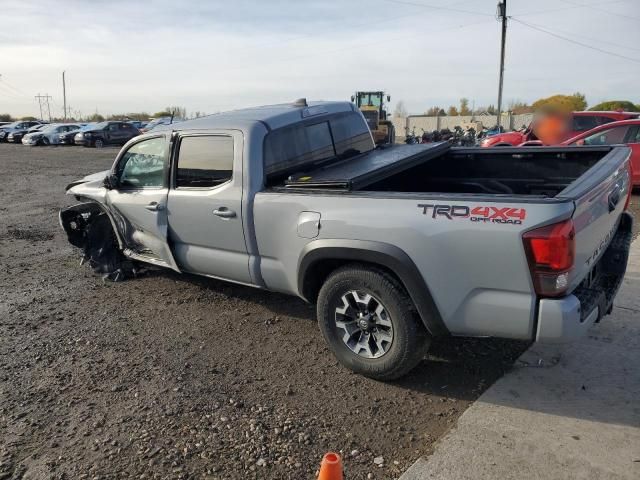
x=564 y=412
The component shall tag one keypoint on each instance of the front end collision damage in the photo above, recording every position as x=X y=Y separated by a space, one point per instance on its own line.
x=91 y=229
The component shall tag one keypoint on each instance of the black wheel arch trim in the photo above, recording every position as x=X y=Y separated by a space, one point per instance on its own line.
x=386 y=255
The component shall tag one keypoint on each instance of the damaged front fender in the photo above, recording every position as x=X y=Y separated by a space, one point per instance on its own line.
x=75 y=219
x=91 y=229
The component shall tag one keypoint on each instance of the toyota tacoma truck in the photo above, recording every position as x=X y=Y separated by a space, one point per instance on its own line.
x=396 y=246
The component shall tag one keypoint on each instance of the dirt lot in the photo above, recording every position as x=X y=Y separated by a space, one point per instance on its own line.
x=170 y=376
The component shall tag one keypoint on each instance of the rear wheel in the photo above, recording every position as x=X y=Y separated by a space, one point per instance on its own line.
x=98 y=143
x=392 y=135
x=369 y=322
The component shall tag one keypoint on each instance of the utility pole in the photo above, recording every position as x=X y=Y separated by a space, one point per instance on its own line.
x=64 y=97
x=502 y=15
x=39 y=98
x=46 y=98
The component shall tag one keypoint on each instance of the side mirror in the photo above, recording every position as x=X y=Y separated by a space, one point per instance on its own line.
x=111 y=181
x=388 y=98
x=353 y=98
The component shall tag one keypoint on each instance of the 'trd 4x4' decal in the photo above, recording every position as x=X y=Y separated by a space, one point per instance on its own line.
x=484 y=214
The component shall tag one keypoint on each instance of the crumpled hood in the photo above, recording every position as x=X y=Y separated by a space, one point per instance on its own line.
x=94 y=180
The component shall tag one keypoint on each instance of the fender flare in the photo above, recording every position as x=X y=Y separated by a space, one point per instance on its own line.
x=385 y=255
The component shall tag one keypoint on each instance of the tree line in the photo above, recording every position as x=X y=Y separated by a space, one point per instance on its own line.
x=564 y=103
x=176 y=111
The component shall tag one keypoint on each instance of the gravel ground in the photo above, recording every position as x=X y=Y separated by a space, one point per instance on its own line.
x=175 y=376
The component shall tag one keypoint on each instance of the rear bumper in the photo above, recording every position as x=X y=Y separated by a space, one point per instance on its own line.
x=568 y=318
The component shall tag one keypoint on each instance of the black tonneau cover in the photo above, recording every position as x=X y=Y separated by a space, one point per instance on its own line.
x=359 y=172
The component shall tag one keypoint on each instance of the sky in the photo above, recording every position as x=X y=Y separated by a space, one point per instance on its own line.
x=129 y=56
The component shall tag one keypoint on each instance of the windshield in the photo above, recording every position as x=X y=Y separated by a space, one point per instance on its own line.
x=369 y=99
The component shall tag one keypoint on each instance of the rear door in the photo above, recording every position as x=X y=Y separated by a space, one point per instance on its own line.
x=139 y=203
x=205 y=205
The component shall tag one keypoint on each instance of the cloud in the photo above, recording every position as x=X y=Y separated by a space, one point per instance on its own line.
x=212 y=55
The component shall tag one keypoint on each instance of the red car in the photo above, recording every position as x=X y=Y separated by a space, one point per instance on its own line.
x=627 y=131
x=580 y=122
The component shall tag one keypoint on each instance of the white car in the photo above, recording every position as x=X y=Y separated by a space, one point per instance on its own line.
x=49 y=135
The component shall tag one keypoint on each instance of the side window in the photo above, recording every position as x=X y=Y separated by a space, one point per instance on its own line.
x=113 y=127
x=607 y=137
x=204 y=161
x=583 y=123
x=633 y=136
x=143 y=165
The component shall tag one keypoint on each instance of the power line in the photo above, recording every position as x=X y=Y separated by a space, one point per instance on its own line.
x=8 y=92
x=16 y=90
x=438 y=7
x=385 y=40
x=582 y=5
x=324 y=32
x=619 y=45
x=594 y=6
x=576 y=42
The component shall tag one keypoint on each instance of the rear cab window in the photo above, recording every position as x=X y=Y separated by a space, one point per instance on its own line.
x=316 y=140
x=582 y=123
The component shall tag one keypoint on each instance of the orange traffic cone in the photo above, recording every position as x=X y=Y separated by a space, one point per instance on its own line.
x=331 y=467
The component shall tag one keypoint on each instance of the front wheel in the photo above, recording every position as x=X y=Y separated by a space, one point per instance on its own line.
x=98 y=143
x=45 y=141
x=369 y=322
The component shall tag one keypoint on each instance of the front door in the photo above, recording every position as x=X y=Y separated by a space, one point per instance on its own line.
x=139 y=202
x=205 y=205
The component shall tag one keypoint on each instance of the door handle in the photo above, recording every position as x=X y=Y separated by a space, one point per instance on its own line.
x=224 y=212
x=154 y=207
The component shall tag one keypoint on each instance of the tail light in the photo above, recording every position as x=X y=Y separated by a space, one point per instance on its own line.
x=551 y=253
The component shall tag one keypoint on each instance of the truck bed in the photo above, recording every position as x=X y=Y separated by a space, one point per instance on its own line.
x=438 y=168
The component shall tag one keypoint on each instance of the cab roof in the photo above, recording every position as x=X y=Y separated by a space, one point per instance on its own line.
x=273 y=116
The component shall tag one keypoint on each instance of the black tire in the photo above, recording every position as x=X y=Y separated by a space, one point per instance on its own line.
x=45 y=141
x=98 y=143
x=410 y=340
x=392 y=135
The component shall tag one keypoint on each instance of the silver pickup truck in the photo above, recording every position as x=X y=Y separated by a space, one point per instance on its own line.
x=396 y=246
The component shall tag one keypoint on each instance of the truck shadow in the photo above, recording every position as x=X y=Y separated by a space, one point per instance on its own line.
x=460 y=368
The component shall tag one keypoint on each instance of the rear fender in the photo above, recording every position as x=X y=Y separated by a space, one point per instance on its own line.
x=378 y=253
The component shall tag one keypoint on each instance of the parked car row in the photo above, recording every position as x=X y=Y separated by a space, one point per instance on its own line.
x=578 y=122
x=607 y=128
x=95 y=135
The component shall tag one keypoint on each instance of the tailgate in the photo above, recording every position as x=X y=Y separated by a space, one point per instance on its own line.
x=599 y=196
